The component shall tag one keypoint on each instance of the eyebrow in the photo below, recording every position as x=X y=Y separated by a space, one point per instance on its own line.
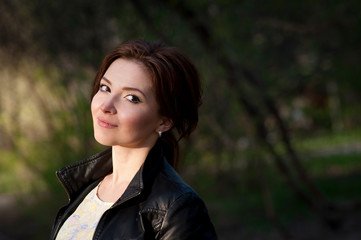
x=105 y=79
x=124 y=88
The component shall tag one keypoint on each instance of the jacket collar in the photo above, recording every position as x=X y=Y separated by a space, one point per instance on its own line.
x=76 y=177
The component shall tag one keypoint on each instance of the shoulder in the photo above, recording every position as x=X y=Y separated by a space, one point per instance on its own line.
x=175 y=210
x=169 y=188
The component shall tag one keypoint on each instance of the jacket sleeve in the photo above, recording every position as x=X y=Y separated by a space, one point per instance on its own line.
x=187 y=218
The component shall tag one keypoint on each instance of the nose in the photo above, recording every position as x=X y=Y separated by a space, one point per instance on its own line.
x=108 y=106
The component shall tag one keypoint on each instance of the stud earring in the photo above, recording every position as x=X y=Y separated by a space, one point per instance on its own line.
x=160 y=133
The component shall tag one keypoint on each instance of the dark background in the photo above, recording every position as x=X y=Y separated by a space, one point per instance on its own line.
x=277 y=154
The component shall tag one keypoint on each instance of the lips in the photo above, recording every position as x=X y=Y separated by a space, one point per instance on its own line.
x=105 y=124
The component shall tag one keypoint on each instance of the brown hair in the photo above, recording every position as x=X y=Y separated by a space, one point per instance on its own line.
x=175 y=82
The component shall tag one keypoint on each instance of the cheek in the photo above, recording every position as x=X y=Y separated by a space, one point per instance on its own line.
x=137 y=119
x=95 y=103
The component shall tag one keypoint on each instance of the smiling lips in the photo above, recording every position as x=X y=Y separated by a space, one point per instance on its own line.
x=105 y=124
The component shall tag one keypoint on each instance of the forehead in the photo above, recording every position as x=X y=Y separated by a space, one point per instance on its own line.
x=128 y=72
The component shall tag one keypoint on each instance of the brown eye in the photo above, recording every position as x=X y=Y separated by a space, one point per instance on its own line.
x=132 y=98
x=104 y=88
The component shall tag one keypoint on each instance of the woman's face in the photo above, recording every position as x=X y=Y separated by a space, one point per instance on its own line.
x=124 y=110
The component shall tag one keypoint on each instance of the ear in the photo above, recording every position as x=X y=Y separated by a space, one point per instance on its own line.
x=165 y=124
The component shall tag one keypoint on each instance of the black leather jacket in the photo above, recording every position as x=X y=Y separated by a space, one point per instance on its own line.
x=156 y=205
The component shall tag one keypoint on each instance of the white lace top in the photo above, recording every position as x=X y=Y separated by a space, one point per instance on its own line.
x=83 y=222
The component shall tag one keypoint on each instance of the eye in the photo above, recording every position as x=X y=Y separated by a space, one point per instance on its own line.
x=104 y=88
x=133 y=98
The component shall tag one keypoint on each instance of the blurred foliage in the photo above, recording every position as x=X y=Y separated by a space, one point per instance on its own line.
x=305 y=53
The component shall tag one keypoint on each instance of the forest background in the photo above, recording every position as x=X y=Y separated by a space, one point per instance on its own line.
x=277 y=154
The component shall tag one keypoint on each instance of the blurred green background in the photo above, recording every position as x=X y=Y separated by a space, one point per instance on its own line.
x=277 y=154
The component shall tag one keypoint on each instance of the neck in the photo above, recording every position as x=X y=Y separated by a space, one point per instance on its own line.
x=127 y=162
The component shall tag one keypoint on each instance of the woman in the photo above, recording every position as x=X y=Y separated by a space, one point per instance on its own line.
x=145 y=99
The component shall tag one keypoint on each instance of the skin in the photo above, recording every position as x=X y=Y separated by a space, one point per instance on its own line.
x=126 y=116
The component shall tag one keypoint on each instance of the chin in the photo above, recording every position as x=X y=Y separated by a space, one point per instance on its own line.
x=104 y=140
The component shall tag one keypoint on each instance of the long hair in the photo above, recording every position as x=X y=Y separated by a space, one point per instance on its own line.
x=175 y=82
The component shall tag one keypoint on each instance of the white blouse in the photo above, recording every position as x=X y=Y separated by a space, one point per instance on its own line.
x=83 y=222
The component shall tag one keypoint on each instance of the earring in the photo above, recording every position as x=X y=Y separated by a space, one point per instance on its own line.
x=160 y=133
